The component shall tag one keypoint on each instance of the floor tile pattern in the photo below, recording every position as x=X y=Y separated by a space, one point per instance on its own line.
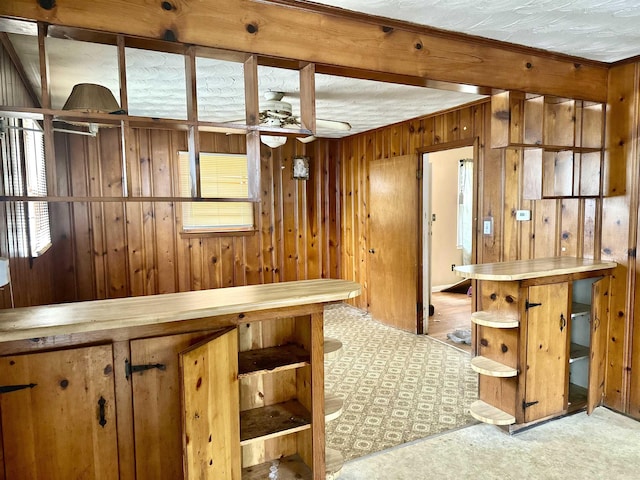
x=397 y=387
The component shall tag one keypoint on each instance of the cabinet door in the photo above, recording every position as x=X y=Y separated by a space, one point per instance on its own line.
x=210 y=408
x=547 y=351
x=599 y=327
x=64 y=426
x=156 y=404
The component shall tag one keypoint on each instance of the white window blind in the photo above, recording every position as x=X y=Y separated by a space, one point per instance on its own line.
x=25 y=174
x=221 y=176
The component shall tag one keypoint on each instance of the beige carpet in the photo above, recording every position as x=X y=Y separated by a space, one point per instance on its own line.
x=397 y=387
x=602 y=446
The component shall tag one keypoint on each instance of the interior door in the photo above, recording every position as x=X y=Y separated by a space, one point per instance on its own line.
x=546 y=370
x=211 y=408
x=599 y=327
x=58 y=415
x=393 y=242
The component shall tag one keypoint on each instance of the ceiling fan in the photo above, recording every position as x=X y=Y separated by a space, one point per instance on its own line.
x=275 y=112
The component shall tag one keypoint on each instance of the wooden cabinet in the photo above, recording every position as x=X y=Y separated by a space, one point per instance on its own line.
x=561 y=141
x=210 y=385
x=59 y=415
x=539 y=338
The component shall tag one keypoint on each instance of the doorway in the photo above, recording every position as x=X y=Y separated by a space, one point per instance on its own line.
x=448 y=240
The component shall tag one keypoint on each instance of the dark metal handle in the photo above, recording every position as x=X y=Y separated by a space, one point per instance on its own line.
x=101 y=404
x=563 y=322
x=13 y=388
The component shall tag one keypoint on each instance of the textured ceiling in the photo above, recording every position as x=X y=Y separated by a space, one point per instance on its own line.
x=605 y=30
x=596 y=29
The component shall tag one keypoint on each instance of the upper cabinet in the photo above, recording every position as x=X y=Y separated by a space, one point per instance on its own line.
x=561 y=139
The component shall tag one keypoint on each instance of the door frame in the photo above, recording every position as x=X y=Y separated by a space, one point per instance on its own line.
x=424 y=266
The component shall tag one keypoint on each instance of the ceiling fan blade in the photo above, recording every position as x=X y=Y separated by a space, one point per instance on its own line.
x=308 y=139
x=333 y=124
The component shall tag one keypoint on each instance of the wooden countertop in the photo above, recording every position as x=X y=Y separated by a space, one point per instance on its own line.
x=525 y=269
x=81 y=317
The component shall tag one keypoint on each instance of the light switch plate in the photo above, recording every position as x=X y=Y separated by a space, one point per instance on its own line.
x=523 y=215
x=487 y=226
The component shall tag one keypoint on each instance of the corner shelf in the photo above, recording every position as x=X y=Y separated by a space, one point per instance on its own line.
x=491 y=368
x=333 y=406
x=334 y=463
x=332 y=348
x=494 y=319
x=272 y=359
x=489 y=414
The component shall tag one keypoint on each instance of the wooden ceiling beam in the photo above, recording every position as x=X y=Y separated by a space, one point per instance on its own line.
x=300 y=32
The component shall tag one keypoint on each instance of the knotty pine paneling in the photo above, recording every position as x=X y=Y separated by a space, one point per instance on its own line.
x=128 y=248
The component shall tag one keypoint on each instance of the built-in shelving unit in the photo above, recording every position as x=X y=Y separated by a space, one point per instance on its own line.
x=561 y=141
x=272 y=359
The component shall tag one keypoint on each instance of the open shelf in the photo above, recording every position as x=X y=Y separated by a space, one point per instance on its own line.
x=272 y=359
x=273 y=421
x=333 y=406
x=332 y=347
x=491 y=368
x=489 y=414
x=579 y=309
x=578 y=352
x=494 y=319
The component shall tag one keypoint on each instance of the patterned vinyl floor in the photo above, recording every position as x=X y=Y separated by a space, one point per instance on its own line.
x=397 y=387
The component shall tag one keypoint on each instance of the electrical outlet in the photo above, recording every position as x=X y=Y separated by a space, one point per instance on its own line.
x=453 y=265
x=523 y=215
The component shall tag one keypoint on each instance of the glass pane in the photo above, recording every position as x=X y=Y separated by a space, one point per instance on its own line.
x=220 y=87
x=156 y=84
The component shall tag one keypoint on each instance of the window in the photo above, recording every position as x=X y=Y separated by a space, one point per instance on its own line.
x=221 y=176
x=24 y=174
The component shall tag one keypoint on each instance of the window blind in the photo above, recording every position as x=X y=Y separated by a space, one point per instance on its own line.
x=221 y=176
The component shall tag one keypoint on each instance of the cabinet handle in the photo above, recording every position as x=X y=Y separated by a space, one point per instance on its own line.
x=103 y=419
x=563 y=322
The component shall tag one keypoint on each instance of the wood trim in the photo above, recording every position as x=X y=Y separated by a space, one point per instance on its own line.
x=318 y=37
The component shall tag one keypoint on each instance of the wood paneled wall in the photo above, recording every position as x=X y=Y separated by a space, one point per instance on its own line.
x=127 y=248
x=558 y=227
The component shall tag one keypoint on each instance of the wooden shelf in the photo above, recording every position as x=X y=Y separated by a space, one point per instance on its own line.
x=553 y=148
x=489 y=414
x=578 y=352
x=332 y=347
x=491 y=368
x=273 y=421
x=494 y=319
x=579 y=309
x=577 y=396
x=272 y=359
x=288 y=468
x=334 y=462
x=333 y=406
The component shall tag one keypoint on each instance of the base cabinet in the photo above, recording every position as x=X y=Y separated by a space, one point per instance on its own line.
x=539 y=343
x=58 y=415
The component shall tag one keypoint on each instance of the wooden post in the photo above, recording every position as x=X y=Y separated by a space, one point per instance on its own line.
x=192 y=113
x=308 y=97
x=253 y=119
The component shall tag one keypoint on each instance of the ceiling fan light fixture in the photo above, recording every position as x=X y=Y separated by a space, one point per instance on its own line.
x=273 y=141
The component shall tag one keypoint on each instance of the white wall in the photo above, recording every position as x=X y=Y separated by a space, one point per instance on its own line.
x=444 y=198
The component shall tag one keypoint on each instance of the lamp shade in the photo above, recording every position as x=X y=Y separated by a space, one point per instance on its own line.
x=91 y=98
